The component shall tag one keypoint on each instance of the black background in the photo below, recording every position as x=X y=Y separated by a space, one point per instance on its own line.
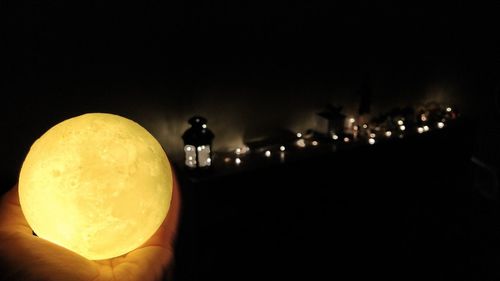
x=161 y=62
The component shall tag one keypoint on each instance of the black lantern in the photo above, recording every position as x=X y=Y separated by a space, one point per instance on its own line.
x=198 y=143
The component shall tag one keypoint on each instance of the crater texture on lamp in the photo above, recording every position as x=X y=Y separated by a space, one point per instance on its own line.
x=97 y=184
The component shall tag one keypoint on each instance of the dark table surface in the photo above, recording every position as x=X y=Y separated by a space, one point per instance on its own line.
x=405 y=208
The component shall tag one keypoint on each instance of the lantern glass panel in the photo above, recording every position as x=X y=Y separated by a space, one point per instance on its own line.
x=190 y=155
x=204 y=155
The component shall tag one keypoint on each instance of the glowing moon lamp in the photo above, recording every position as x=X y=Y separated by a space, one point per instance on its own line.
x=97 y=184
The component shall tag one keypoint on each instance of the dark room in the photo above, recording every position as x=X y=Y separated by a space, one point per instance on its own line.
x=250 y=140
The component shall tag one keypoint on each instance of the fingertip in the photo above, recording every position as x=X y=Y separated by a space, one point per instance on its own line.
x=11 y=196
x=11 y=215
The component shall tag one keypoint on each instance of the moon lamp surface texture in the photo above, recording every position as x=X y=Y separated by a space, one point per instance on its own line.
x=97 y=184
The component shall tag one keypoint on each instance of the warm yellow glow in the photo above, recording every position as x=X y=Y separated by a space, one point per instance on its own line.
x=282 y=148
x=301 y=143
x=371 y=141
x=299 y=135
x=97 y=184
x=241 y=150
x=388 y=133
x=440 y=125
x=420 y=130
x=315 y=143
x=268 y=153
